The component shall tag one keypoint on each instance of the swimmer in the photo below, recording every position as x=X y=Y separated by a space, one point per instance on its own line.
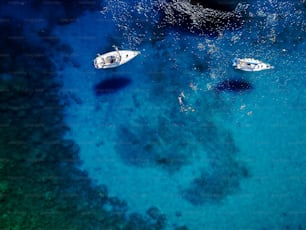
x=180 y=98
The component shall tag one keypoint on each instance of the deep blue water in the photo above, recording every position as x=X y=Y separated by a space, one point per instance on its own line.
x=178 y=128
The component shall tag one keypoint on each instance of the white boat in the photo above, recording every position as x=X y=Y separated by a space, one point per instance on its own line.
x=250 y=64
x=114 y=58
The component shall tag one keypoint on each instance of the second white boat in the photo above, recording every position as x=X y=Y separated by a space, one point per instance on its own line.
x=250 y=64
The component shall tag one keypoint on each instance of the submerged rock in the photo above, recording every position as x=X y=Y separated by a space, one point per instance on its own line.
x=234 y=85
x=225 y=5
x=153 y=212
x=147 y=145
x=202 y=17
x=215 y=186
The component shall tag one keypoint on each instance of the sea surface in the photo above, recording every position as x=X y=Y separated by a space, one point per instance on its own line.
x=177 y=138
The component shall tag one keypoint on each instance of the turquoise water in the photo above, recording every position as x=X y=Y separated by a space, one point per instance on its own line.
x=218 y=159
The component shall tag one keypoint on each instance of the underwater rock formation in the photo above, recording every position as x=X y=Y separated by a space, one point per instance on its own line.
x=225 y=5
x=215 y=186
x=111 y=85
x=145 y=150
x=41 y=185
x=149 y=146
x=234 y=85
x=225 y=174
x=189 y=16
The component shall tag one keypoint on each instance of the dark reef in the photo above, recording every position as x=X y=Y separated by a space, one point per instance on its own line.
x=201 y=17
x=41 y=185
x=111 y=85
x=213 y=187
x=234 y=85
x=146 y=145
x=224 y=5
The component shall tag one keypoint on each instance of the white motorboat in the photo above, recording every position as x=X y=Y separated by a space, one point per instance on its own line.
x=250 y=64
x=114 y=58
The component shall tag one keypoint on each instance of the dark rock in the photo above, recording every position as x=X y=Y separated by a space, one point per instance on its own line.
x=153 y=212
x=200 y=18
x=213 y=187
x=224 y=5
x=136 y=221
x=141 y=147
x=118 y=206
x=102 y=191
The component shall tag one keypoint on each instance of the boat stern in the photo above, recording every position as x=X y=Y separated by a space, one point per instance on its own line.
x=99 y=62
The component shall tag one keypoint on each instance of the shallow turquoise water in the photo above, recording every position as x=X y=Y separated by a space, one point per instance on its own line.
x=177 y=134
x=220 y=160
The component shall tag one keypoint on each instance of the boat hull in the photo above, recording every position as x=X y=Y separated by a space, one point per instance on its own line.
x=250 y=65
x=114 y=58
